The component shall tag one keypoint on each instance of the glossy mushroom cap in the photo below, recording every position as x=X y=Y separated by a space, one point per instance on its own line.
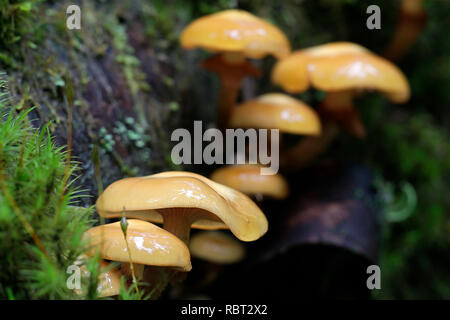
x=213 y=205
x=248 y=179
x=216 y=247
x=341 y=66
x=412 y=6
x=149 y=245
x=109 y=281
x=236 y=31
x=277 y=111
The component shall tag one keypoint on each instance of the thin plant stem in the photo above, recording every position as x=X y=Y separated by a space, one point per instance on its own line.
x=69 y=93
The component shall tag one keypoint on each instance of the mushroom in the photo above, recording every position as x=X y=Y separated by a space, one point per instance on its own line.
x=411 y=21
x=217 y=249
x=181 y=200
x=342 y=69
x=235 y=35
x=277 y=111
x=108 y=281
x=248 y=179
x=148 y=245
x=336 y=209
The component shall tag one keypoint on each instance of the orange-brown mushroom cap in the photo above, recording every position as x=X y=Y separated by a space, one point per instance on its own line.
x=236 y=31
x=215 y=205
x=217 y=247
x=341 y=66
x=277 y=111
x=248 y=179
x=148 y=243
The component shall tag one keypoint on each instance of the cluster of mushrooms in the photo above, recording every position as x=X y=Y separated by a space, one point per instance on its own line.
x=183 y=200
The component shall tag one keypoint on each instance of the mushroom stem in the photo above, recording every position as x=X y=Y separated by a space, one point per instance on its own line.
x=232 y=68
x=338 y=106
x=339 y=100
x=259 y=198
x=411 y=21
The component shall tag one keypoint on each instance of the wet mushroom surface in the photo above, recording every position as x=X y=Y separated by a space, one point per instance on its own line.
x=91 y=187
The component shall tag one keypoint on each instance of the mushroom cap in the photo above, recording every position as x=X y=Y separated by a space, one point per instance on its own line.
x=247 y=178
x=236 y=31
x=233 y=72
x=217 y=247
x=277 y=111
x=340 y=66
x=219 y=206
x=149 y=244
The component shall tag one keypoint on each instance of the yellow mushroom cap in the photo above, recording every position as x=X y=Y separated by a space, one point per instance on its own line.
x=217 y=247
x=248 y=179
x=109 y=281
x=217 y=206
x=333 y=49
x=341 y=66
x=235 y=31
x=277 y=111
x=149 y=244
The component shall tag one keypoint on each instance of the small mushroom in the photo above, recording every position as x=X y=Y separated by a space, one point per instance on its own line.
x=148 y=244
x=217 y=249
x=235 y=35
x=277 y=111
x=181 y=200
x=248 y=179
x=108 y=281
